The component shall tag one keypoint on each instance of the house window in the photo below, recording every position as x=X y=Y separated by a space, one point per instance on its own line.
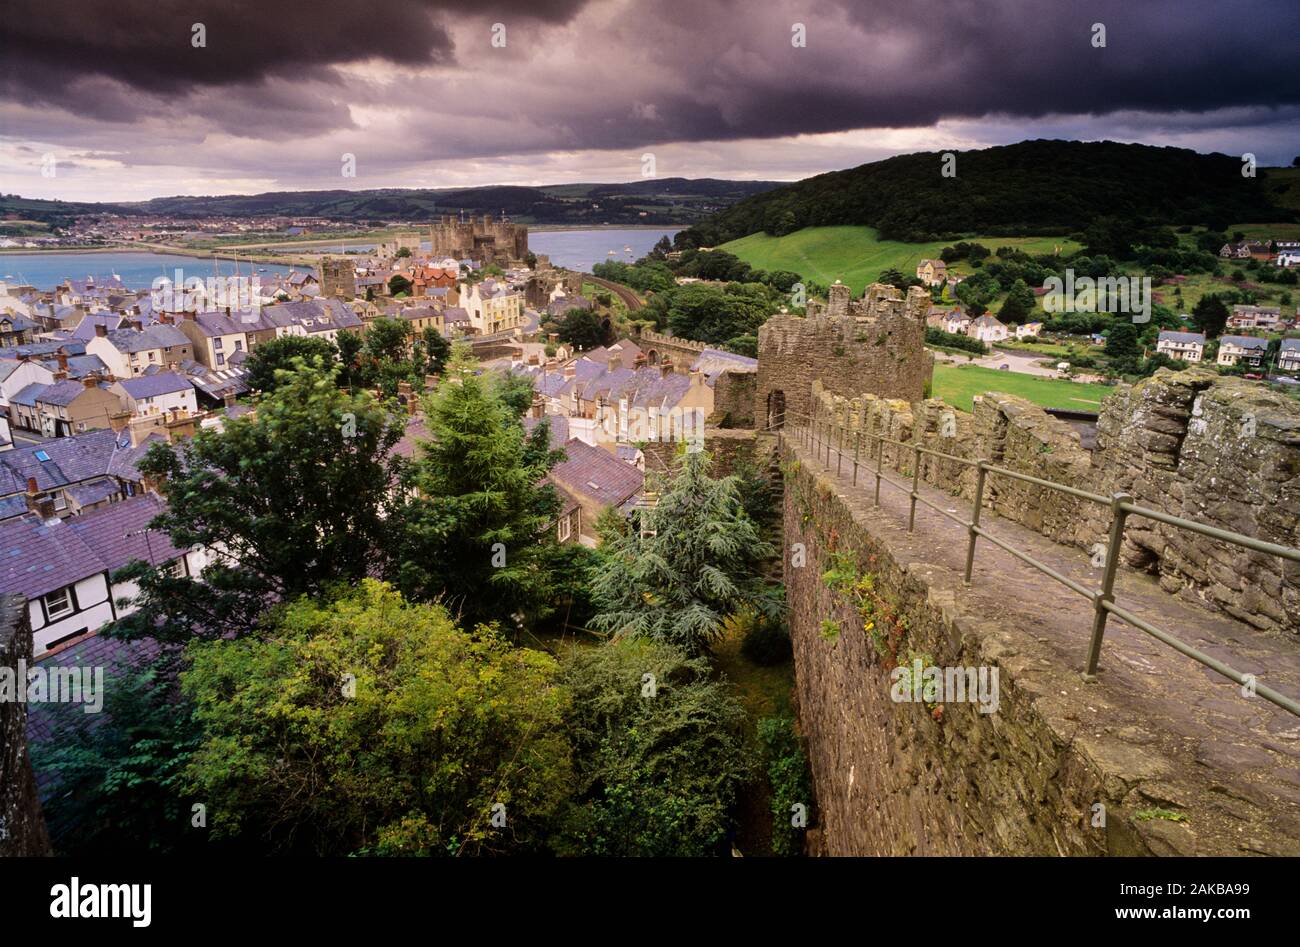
x=216 y=343
x=176 y=568
x=59 y=604
x=221 y=360
x=564 y=528
x=239 y=345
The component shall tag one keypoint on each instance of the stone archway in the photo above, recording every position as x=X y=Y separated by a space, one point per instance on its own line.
x=776 y=410
x=652 y=357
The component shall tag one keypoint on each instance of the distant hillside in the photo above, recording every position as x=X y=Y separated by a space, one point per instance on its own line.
x=1034 y=187
x=664 y=201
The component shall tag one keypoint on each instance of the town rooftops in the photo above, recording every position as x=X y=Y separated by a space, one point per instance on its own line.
x=1290 y=346
x=68 y=460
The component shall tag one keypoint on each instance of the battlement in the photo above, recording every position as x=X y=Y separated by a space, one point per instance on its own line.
x=874 y=345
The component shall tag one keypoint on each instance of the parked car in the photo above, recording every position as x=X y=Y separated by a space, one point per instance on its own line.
x=1004 y=368
x=1253 y=377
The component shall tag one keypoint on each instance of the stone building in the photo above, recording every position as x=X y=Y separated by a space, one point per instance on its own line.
x=338 y=278
x=874 y=345
x=484 y=240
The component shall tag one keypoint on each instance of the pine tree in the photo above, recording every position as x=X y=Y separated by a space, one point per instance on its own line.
x=678 y=580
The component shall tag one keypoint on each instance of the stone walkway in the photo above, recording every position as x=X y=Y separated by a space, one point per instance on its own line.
x=1154 y=717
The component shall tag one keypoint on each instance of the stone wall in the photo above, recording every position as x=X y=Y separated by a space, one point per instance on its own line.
x=733 y=399
x=1214 y=449
x=901 y=778
x=22 y=826
x=875 y=344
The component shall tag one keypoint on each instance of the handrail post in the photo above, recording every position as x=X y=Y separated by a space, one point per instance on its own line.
x=975 y=518
x=916 y=482
x=857 y=447
x=880 y=461
x=1106 y=594
x=839 y=453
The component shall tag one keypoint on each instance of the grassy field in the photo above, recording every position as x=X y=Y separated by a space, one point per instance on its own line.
x=856 y=255
x=958 y=384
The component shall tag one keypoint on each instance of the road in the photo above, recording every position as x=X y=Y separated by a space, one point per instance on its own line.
x=1025 y=363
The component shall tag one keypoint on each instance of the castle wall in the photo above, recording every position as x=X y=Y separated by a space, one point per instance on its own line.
x=873 y=345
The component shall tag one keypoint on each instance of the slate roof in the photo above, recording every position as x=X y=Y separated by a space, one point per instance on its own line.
x=559 y=428
x=29 y=395
x=62 y=393
x=159 y=336
x=1170 y=336
x=1245 y=342
x=71 y=460
x=1290 y=345
x=713 y=362
x=39 y=349
x=93 y=491
x=79 y=365
x=597 y=474
x=153 y=385
x=85 y=330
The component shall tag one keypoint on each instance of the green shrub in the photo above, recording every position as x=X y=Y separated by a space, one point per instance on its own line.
x=787 y=773
x=766 y=642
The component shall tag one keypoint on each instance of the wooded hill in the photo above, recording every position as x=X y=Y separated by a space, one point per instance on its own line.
x=1029 y=188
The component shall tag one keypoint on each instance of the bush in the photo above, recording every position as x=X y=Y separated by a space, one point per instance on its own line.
x=787 y=774
x=659 y=750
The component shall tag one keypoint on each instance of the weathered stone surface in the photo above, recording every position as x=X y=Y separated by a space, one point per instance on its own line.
x=22 y=826
x=1158 y=738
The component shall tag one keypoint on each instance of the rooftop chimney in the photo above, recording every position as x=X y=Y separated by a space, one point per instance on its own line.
x=63 y=361
x=90 y=381
x=666 y=367
x=42 y=506
x=570 y=369
x=101 y=330
x=615 y=361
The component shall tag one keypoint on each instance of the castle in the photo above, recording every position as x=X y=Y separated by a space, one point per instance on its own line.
x=486 y=241
x=338 y=277
x=875 y=344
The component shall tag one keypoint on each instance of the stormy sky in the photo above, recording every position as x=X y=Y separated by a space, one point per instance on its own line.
x=428 y=93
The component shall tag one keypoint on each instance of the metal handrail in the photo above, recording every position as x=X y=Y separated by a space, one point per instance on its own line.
x=819 y=433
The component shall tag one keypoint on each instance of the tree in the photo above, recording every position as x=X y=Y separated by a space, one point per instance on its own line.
x=1019 y=304
x=402 y=253
x=582 y=329
x=679 y=584
x=117 y=783
x=1210 y=315
x=436 y=350
x=388 y=340
x=475 y=530
x=1122 y=346
x=398 y=284
x=273 y=355
x=287 y=500
x=368 y=725
x=659 y=753
x=353 y=372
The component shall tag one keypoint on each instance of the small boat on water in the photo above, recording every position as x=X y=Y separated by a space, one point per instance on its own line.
x=627 y=249
x=610 y=253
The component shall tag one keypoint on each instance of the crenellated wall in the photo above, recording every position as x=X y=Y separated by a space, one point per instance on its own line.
x=1218 y=450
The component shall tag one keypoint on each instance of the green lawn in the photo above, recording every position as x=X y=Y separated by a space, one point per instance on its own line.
x=856 y=255
x=958 y=384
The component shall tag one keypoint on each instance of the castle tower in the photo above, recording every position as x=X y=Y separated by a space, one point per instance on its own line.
x=875 y=345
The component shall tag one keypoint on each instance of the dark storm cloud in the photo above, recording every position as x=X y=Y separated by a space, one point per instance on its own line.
x=147 y=45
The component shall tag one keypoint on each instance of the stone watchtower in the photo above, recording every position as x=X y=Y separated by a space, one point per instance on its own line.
x=338 y=277
x=873 y=345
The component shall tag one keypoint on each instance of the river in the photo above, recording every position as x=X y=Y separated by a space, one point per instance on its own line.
x=572 y=249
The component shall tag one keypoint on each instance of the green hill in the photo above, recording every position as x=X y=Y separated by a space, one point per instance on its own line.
x=857 y=255
x=1034 y=187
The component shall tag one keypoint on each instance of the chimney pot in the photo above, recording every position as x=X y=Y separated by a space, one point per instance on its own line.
x=31 y=485
x=101 y=330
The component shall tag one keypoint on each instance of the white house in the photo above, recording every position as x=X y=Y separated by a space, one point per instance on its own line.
x=159 y=393
x=988 y=329
x=73 y=594
x=1184 y=346
x=1288 y=358
x=1029 y=330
